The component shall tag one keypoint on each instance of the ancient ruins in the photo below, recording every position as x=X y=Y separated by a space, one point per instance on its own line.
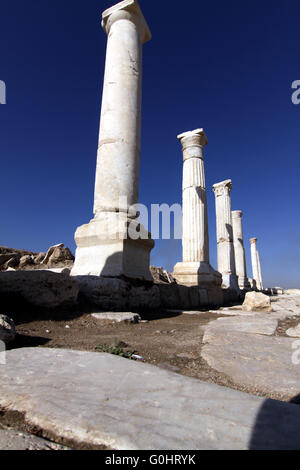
x=202 y=358
x=105 y=246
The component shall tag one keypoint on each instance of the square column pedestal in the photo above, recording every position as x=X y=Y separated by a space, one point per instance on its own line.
x=105 y=247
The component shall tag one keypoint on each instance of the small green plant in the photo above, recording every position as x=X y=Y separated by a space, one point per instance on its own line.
x=116 y=350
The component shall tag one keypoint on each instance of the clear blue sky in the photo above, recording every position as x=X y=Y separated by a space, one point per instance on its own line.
x=224 y=66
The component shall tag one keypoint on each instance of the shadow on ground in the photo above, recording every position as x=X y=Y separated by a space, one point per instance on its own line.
x=277 y=426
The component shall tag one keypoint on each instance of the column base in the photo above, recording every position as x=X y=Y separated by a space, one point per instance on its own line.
x=196 y=274
x=230 y=281
x=105 y=247
x=244 y=283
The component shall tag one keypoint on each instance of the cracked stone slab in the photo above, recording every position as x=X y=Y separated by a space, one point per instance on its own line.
x=262 y=325
x=101 y=399
x=257 y=361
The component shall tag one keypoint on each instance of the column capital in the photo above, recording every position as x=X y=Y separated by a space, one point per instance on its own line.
x=221 y=188
x=192 y=138
x=127 y=10
x=253 y=240
x=237 y=214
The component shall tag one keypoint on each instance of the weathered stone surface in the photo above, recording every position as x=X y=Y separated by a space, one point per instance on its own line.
x=16 y=440
x=114 y=243
x=38 y=288
x=7 y=329
x=58 y=256
x=13 y=262
x=144 y=296
x=118 y=317
x=39 y=258
x=109 y=294
x=176 y=296
x=294 y=332
x=261 y=362
x=263 y=325
x=101 y=399
x=6 y=257
x=26 y=260
x=50 y=252
x=161 y=275
x=112 y=294
x=255 y=301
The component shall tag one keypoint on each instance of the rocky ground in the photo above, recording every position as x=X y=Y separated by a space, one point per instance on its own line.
x=249 y=351
x=216 y=346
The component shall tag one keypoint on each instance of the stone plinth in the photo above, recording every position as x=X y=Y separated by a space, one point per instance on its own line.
x=105 y=246
x=195 y=268
x=226 y=261
x=239 y=250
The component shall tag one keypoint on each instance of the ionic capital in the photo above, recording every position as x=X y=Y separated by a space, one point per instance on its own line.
x=127 y=10
x=222 y=188
x=193 y=138
x=253 y=241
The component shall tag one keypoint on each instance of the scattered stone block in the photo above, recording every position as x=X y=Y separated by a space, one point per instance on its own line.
x=118 y=317
x=257 y=301
x=7 y=329
x=294 y=332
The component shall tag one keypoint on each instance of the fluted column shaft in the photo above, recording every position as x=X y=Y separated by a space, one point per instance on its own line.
x=261 y=286
x=255 y=263
x=239 y=250
x=226 y=261
x=195 y=268
x=195 y=241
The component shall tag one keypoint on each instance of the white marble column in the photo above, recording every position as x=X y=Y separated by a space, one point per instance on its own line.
x=256 y=270
x=194 y=268
x=104 y=246
x=226 y=261
x=239 y=250
x=261 y=286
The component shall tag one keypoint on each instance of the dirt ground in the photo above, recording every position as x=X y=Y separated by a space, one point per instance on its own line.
x=170 y=340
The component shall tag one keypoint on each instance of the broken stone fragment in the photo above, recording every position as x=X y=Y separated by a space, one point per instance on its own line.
x=256 y=301
x=26 y=260
x=294 y=332
x=7 y=329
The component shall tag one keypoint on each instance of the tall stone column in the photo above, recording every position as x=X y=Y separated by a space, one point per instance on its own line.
x=195 y=268
x=259 y=271
x=256 y=269
x=104 y=246
x=226 y=261
x=239 y=250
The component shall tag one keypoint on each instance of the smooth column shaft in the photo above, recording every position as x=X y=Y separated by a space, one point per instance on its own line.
x=117 y=174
